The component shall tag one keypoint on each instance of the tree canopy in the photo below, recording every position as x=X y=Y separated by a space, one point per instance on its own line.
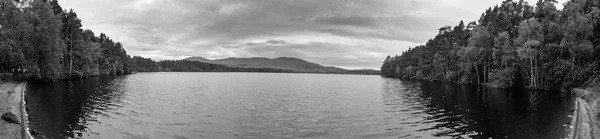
x=513 y=44
x=48 y=43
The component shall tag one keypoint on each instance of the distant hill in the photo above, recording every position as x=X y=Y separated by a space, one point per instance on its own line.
x=286 y=63
x=199 y=59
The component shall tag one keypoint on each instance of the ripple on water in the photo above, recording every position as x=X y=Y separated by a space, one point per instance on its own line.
x=249 y=105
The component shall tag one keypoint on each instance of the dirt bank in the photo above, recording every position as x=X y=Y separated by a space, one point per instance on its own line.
x=12 y=102
x=586 y=124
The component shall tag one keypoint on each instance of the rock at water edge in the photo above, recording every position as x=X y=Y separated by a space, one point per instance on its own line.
x=11 y=118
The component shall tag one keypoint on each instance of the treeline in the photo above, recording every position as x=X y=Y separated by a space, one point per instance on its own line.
x=513 y=44
x=363 y=72
x=148 y=65
x=41 y=39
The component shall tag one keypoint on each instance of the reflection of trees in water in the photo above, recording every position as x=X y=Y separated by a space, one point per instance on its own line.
x=466 y=110
x=64 y=109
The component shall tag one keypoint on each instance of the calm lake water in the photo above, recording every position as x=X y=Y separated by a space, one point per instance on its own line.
x=282 y=105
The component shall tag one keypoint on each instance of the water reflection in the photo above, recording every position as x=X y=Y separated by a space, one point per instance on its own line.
x=269 y=105
x=466 y=111
x=68 y=107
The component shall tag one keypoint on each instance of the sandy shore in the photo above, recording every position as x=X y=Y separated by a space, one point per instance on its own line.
x=12 y=102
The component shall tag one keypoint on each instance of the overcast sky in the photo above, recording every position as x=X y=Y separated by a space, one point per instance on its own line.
x=354 y=34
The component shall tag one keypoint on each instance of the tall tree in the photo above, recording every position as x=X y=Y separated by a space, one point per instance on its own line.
x=47 y=40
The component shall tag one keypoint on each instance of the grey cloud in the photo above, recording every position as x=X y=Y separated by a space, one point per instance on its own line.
x=348 y=20
x=152 y=40
x=251 y=28
x=337 y=54
x=142 y=48
x=276 y=42
x=384 y=34
x=269 y=42
x=265 y=17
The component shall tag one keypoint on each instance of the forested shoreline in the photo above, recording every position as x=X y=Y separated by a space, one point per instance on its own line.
x=149 y=65
x=44 y=42
x=513 y=44
x=41 y=39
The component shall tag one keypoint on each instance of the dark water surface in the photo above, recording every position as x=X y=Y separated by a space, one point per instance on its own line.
x=281 y=105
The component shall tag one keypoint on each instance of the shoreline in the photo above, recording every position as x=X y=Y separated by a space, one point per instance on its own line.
x=575 y=126
x=24 y=115
x=256 y=72
x=490 y=85
x=585 y=124
x=13 y=102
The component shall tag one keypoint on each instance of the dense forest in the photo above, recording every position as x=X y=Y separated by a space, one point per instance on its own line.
x=147 y=65
x=40 y=39
x=513 y=44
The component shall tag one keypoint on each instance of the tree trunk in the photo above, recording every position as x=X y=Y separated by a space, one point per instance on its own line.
x=484 y=70
x=70 y=54
x=487 y=68
x=445 y=72
x=531 y=75
x=537 y=73
x=477 y=75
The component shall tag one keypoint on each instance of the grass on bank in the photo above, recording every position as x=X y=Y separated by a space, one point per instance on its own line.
x=591 y=104
x=592 y=96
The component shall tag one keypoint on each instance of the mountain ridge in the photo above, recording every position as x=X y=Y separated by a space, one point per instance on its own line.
x=286 y=63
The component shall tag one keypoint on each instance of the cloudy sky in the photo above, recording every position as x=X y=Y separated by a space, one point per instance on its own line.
x=354 y=34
